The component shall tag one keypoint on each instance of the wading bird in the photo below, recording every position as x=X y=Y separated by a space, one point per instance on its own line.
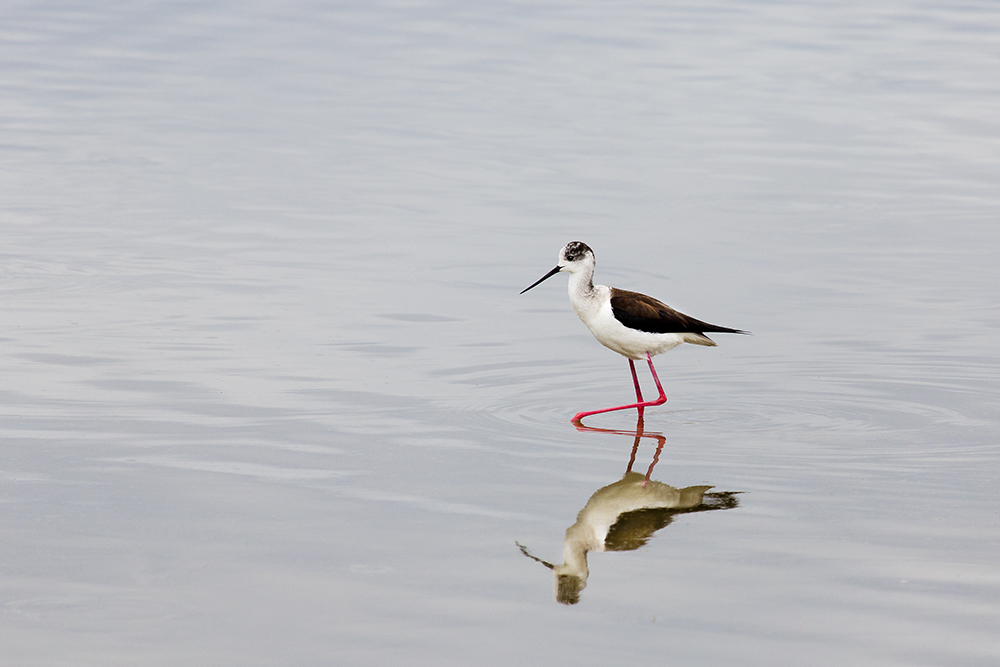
x=632 y=324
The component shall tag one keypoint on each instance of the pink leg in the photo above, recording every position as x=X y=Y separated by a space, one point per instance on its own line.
x=638 y=405
x=656 y=457
x=635 y=380
x=638 y=437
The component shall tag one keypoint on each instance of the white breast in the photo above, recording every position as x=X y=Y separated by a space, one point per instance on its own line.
x=594 y=309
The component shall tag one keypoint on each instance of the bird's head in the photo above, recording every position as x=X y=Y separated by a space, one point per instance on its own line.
x=575 y=256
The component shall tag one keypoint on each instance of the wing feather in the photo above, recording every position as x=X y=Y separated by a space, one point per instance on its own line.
x=638 y=311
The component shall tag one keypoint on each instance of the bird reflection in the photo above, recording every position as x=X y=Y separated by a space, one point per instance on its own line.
x=623 y=516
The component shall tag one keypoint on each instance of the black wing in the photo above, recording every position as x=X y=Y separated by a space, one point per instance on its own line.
x=638 y=311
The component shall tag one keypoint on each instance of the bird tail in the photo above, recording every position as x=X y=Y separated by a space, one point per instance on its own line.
x=699 y=339
x=713 y=328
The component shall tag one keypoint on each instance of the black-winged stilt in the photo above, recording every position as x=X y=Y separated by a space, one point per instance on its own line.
x=623 y=516
x=613 y=520
x=632 y=324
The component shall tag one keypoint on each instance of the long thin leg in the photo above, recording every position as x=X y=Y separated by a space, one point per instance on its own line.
x=656 y=457
x=638 y=390
x=635 y=380
x=638 y=405
x=638 y=433
x=635 y=445
x=663 y=397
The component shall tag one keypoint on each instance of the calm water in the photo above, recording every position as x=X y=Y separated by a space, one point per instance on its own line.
x=270 y=395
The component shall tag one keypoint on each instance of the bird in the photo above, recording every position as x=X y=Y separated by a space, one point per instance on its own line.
x=634 y=325
x=623 y=516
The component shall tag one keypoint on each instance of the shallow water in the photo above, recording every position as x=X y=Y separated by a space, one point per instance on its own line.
x=270 y=395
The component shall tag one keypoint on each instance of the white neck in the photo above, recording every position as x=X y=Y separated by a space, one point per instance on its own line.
x=581 y=284
x=575 y=547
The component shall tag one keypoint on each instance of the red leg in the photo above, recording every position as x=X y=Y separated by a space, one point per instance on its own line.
x=635 y=380
x=656 y=457
x=663 y=397
x=638 y=405
x=635 y=445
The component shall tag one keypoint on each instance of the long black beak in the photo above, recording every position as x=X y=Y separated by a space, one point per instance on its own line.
x=527 y=553
x=542 y=279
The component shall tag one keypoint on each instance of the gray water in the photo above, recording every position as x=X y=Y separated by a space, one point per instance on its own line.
x=270 y=395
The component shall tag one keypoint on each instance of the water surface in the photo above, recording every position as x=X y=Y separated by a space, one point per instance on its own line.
x=270 y=395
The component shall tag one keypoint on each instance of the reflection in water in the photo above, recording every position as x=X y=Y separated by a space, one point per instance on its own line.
x=623 y=516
